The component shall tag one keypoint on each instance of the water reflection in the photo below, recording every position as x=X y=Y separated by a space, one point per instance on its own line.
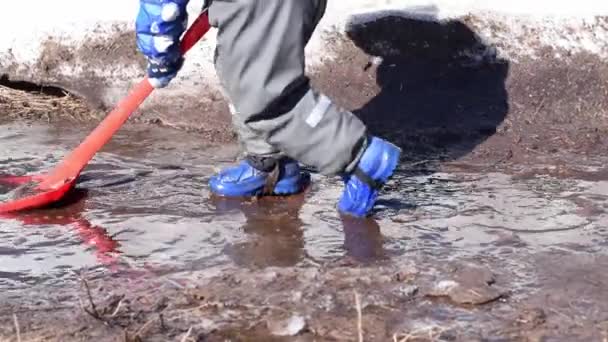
x=275 y=232
x=273 y=228
x=69 y=212
x=363 y=239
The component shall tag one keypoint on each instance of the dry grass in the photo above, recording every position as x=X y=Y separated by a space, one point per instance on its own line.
x=187 y=336
x=17 y=329
x=431 y=334
x=359 y=317
x=22 y=104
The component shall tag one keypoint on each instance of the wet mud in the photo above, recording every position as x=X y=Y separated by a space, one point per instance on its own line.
x=458 y=255
x=493 y=228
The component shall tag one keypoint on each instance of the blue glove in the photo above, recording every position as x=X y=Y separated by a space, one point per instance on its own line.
x=159 y=26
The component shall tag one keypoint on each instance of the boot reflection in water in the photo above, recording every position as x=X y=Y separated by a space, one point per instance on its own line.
x=363 y=241
x=274 y=235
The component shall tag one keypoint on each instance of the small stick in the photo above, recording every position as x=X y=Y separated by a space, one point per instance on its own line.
x=143 y=327
x=117 y=308
x=17 y=327
x=89 y=312
x=417 y=334
x=162 y=321
x=94 y=312
x=187 y=336
x=359 y=317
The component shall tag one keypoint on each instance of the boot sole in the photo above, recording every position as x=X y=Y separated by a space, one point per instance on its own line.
x=287 y=186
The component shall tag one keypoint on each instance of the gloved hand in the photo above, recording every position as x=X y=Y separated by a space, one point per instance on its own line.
x=159 y=26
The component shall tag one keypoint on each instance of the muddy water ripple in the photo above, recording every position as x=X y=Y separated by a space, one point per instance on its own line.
x=143 y=203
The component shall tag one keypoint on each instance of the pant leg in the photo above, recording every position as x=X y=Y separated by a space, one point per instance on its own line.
x=252 y=142
x=261 y=64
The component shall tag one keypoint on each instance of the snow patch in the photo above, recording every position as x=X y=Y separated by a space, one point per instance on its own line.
x=518 y=28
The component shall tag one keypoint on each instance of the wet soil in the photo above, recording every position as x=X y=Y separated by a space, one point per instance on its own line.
x=442 y=93
x=458 y=255
x=493 y=228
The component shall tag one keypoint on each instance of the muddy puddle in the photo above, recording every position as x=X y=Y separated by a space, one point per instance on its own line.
x=451 y=254
x=114 y=202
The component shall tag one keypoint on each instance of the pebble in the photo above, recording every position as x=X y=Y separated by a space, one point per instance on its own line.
x=469 y=284
x=408 y=290
x=291 y=326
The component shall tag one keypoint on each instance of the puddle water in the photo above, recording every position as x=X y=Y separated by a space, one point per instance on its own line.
x=144 y=202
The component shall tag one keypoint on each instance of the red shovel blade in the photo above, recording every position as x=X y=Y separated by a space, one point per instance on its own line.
x=55 y=184
x=35 y=198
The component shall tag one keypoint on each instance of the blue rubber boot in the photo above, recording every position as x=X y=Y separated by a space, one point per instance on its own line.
x=362 y=186
x=279 y=177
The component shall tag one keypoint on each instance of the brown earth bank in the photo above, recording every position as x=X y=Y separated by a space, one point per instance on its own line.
x=435 y=88
x=443 y=95
x=451 y=103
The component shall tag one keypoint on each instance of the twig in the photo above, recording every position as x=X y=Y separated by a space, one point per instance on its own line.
x=475 y=293
x=89 y=312
x=538 y=107
x=420 y=162
x=161 y=318
x=418 y=333
x=93 y=312
x=143 y=327
x=17 y=330
x=117 y=308
x=187 y=336
x=359 y=317
x=175 y=283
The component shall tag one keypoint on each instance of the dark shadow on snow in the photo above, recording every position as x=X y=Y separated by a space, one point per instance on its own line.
x=442 y=89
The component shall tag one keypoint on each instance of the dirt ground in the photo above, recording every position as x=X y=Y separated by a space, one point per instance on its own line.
x=450 y=111
x=381 y=301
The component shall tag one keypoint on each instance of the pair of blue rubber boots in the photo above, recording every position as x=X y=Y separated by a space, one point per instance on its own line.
x=284 y=177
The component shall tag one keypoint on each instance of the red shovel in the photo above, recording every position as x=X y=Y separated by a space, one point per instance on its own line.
x=52 y=186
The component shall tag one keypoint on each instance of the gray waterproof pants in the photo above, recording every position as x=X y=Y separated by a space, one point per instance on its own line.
x=260 y=62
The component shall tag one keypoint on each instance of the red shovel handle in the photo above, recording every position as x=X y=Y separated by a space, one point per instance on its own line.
x=73 y=164
x=198 y=29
